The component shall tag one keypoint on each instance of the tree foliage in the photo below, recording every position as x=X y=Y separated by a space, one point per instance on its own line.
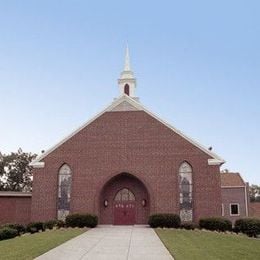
x=15 y=172
x=254 y=193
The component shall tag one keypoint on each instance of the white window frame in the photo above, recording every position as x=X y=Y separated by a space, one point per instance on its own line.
x=222 y=210
x=238 y=209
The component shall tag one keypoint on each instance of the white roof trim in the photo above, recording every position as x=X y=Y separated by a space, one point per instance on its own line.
x=217 y=160
x=36 y=164
x=109 y=108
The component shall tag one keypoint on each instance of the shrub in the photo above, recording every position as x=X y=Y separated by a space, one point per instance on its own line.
x=164 y=220
x=60 y=223
x=81 y=220
x=218 y=224
x=50 y=224
x=249 y=226
x=188 y=225
x=19 y=227
x=35 y=227
x=7 y=233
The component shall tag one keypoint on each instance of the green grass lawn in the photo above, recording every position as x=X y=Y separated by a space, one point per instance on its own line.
x=30 y=246
x=186 y=244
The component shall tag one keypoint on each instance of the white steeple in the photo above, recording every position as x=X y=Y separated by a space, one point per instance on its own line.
x=127 y=82
x=127 y=60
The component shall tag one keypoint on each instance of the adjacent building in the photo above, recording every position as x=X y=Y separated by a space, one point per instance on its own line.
x=234 y=193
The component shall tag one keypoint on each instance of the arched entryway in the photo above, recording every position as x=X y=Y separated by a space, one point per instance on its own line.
x=124 y=200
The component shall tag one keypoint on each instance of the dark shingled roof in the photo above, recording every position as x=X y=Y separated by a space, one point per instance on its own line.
x=231 y=179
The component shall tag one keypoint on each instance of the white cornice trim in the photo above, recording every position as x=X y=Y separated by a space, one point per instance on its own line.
x=36 y=164
x=216 y=160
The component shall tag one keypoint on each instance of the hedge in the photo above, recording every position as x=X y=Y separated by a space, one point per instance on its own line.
x=188 y=225
x=81 y=220
x=19 y=227
x=218 y=224
x=7 y=233
x=50 y=224
x=249 y=226
x=35 y=227
x=164 y=220
x=60 y=223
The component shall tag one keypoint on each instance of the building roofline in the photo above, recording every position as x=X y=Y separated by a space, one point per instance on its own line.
x=15 y=194
x=217 y=160
x=239 y=176
x=229 y=187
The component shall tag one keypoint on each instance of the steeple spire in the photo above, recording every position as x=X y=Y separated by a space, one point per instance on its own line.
x=127 y=60
x=127 y=81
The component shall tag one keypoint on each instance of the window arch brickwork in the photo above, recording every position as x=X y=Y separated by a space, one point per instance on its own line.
x=64 y=192
x=185 y=187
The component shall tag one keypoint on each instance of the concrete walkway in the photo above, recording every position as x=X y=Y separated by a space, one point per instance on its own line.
x=112 y=242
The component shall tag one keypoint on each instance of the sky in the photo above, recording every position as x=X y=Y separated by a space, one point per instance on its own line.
x=197 y=65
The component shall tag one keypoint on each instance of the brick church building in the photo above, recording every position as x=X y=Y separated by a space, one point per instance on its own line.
x=125 y=164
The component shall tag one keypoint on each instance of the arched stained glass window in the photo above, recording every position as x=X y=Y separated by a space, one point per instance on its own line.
x=125 y=195
x=185 y=186
x=64 y=191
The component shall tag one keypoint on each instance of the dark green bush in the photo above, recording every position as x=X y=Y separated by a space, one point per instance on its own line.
x=50 y=224
x=19 y=227
x=249 y=226
x=188 y=225
x=35 y=227
x=7 y=233
x=60 y=223
x=164 y=220
x=218 y=224
x=81 y=220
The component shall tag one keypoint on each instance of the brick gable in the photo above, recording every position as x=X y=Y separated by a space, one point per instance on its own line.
x=132 y=142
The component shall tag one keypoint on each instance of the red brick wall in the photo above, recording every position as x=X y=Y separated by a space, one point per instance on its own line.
x=254 y=209
x=233 y=195
x=132 y=142
x=15 y=210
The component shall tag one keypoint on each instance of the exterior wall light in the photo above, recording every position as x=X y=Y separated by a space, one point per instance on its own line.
x=105 y=203
x=143 y=202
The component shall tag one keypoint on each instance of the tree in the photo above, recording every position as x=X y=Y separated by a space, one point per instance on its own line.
x=254 y=193
x=15 y=172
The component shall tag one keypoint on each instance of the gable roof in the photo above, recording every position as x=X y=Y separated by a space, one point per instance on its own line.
x=231 y=179
x=119 y=104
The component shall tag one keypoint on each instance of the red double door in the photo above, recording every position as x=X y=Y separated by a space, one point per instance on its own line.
x=124 y=212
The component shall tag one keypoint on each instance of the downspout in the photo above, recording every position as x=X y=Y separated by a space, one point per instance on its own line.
x=246 y=202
